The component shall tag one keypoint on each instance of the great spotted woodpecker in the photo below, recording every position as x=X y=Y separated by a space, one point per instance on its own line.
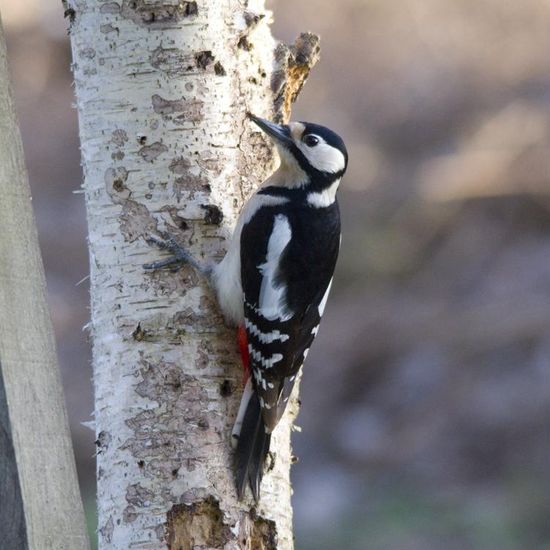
x=275 y=278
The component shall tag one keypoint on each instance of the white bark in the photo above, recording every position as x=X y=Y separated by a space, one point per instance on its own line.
x=33 y=396
x=162 y=90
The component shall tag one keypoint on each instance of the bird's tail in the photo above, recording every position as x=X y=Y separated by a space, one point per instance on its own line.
x=252 y=448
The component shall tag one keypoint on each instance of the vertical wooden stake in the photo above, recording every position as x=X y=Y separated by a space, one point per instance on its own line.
x=39 y=497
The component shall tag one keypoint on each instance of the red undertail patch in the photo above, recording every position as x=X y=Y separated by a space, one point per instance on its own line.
x=243 y=348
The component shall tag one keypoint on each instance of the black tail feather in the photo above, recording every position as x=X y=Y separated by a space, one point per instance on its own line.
x=251 y=450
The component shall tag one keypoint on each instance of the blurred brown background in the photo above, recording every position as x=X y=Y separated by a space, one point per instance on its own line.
x=426 y=399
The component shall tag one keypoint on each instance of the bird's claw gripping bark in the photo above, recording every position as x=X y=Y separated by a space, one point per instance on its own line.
x=179 y=257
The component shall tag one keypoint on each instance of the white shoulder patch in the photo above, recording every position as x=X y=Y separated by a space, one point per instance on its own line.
x=226 y=276
x=272 y=302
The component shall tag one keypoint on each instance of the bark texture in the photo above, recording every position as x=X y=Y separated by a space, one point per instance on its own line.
x=40 y=505
x=162 y=90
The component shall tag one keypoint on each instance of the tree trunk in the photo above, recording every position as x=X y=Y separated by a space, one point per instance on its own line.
x=162 y=90
x=40 y=505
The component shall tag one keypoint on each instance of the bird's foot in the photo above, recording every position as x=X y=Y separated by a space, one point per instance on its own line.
x=179 y=258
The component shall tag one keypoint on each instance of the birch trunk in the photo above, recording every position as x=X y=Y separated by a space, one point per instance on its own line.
x=162 y=91
x=40 y=506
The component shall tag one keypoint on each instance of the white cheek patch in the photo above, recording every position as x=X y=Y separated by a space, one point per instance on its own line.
x=323 y=157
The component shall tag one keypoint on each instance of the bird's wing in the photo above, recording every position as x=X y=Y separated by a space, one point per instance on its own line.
x=285 y=291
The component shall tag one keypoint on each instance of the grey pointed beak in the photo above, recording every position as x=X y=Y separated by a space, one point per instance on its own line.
x=280 y=133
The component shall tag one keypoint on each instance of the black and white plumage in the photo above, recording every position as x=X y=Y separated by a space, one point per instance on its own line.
x=276 y=276
x=287 y=241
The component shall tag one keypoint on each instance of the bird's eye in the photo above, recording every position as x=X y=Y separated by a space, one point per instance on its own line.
x=310 y=140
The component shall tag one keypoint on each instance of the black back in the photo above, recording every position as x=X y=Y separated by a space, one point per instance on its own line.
x=305 y=269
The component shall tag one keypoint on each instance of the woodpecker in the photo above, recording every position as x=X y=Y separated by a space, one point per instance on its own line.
x=274 y=280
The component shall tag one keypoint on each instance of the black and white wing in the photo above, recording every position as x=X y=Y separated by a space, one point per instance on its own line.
x=287 y=262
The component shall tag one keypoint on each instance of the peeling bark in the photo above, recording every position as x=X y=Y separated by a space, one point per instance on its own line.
x=163 y=88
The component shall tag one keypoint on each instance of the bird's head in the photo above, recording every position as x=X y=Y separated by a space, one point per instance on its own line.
x=309 y=148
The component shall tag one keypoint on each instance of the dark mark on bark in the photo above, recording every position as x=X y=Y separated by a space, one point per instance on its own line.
x=197 y=525
x=252 y=19
x=191 y=110
x=270 y=461
x=139 y=496
x=179 y=165
x=136 y=221
x=264 y=534
x=190 y=464
x=115 y=184
x=189 y=321
x=213 y=216
x=129 y=514
x=244 y=44
x=208 y=318
x=105 y=29
x=226 y=388
x=165 y=437
x=178 y=221
x=110 y=7
x=150 y=152
x=138 y=334
x=166 y=283
x=219 y=69
x=119 y=137
x=69 y=14
x=102 y=442
x=191 y=9
x=164 y=383
x=203 y=352
x=106 y=531
x=189 y=184
x=203 y=424
x=157 y=15
x=171 y=61
x=87 y=53
x=210 y=161
x=204 y=59
x=118 y=185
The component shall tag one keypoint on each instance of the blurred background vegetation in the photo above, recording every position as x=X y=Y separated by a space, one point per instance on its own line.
x=426 y=399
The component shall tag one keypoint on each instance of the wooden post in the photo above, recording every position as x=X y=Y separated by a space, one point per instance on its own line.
x=40 y=506
x=12 y=517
